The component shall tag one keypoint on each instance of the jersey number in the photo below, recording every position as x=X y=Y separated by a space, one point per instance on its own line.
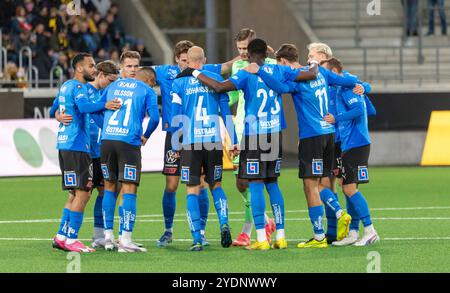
x=113 y=121
x=200 y=112
x=321 y=94
x=263 y=93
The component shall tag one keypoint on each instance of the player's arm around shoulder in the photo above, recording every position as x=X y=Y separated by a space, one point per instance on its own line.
x=215 y=85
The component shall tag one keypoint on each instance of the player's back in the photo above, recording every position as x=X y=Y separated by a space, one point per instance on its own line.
x=165 y=75
x=353 y=133
x=200 y=106
x=75 y=136
x=263 y=107
x=125 y=124
x=311 y=103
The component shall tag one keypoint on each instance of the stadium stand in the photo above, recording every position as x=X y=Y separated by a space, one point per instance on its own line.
x=376 y=47
x=46 y=29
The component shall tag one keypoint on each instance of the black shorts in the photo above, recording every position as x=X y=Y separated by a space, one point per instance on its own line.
x=171 y=164
x=355 y=164
x=97 y=175
x=316 y=156
x=202 y=160
x=76 y=170
x=260 y=156
x=121 y=161
x=337 y=167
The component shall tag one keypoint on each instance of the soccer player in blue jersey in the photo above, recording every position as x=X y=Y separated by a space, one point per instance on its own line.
x=316 y=138
x=73 y=143
x=242 y=39
x=196 y=107
x=106 y=73
x=165 y=75
x=351 y=120
x=122 y=137
x=261 y=154
x=322 y=52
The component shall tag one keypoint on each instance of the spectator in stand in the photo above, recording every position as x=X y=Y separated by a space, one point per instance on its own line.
x=55 y=22
x=97 y=18
x=63 y=61
x=20 y=23
x=103 y=38
x=31 y=11
x=411 y=10
x=441 y=9
x=88 y=6
x=43 y=17
x=114 y=55
x=76 y=40
x=7 y=12
x=141 y=49
x=88 y=37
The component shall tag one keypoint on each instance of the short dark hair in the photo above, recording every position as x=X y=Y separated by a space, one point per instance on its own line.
x=130 y=55
x=79 y=58
x=182 y=47
x=107 y=67
x=334 y=63
x=244 y=34
x=257 y=46
x=288 y=52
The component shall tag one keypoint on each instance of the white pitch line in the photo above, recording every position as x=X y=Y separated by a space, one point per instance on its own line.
x=90 y=219
x=231 y=220
x=218 y=240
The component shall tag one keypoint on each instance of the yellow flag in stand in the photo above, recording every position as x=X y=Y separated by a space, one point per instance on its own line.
x=226 y=141
x=437 y=144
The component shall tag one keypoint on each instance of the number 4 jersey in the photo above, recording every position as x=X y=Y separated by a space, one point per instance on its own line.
x=125 y=124
x=199 y=108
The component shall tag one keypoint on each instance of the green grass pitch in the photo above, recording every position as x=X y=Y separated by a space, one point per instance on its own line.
x=410 y=210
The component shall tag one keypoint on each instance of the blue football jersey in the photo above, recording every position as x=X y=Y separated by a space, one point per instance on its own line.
x=165 y=75
x=94 y=131
x=312 y=102
x=125 y=124
x=332 y=92
x=353 y=133
x=75 y=136
x=200 y=109
x=263 y=107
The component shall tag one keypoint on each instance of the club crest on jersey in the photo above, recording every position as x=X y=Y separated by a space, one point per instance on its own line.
x=185 y=174
x=217 y=172
x=278 y=166
x=105 y=171
x=317 y=167
x=173 y=73
x=193 y=81
x=129 y=172
x=70 y=179
x=252 y=168
x=363 y=173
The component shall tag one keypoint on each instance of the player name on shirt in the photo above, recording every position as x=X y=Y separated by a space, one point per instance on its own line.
x=205 y=132
x=123 y=93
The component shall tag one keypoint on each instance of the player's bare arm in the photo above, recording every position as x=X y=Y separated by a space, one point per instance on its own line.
x=63 y=118
x=218 y=87
x=227 y=66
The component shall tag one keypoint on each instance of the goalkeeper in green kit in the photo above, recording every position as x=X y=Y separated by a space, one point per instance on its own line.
x=242 y=39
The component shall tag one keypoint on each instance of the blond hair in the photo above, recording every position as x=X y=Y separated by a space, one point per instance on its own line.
x=321 y=48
